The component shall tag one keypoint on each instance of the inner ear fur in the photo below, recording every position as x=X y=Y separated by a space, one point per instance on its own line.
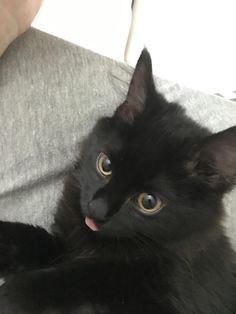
x=214 y=159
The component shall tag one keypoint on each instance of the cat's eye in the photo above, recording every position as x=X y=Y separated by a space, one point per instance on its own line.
x=103 y=165
x=148 y=203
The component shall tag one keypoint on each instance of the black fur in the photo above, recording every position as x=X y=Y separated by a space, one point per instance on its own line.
x=177 y=260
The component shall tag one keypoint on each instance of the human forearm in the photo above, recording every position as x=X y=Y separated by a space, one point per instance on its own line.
x=15 y=17
x=8 y=28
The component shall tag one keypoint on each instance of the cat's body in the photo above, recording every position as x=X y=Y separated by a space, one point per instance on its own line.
x=138 y=229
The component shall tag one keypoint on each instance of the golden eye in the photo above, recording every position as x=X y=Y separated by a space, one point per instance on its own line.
x=148 y=203
x=103 y=165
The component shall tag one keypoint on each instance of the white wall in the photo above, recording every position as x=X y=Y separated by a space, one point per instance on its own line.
x=192 y=42
x=100 y=25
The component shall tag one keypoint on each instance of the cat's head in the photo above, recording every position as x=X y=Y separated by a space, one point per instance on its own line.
x=150 y=170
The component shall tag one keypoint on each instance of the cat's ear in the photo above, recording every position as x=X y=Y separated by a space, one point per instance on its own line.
x=214 y=159
x=139 y=88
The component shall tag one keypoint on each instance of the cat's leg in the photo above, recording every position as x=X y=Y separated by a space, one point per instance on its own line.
x=83 y=288
x=24 y=246
x=53 y=290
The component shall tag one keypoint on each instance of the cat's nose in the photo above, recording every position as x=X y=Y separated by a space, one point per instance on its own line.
x=98 y=209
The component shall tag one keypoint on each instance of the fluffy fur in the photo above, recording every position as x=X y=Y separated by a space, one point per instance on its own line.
x=175 y=260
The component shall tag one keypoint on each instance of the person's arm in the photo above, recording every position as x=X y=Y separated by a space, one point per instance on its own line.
x=15 y=17
x=8 y=30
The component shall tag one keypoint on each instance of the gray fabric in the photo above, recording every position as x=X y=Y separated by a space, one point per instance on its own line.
x=51 y=93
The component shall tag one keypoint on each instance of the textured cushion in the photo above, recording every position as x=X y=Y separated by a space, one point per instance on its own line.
x=51 y=93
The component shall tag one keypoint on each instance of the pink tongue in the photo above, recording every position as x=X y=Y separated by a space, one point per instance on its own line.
x=91 y=224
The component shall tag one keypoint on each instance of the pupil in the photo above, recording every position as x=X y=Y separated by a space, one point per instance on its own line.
x=106 y=165
x=149 y=201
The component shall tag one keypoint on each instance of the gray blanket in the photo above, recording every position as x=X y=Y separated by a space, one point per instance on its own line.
x=51 y=93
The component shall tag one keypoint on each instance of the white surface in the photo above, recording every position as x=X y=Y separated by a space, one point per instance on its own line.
x=99 y=25
x=191 y=42
x=2 y=281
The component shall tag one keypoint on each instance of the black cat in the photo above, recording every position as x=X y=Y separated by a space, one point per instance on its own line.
x=138 y=230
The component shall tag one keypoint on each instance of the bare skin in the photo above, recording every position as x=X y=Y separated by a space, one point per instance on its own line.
x=15 y=17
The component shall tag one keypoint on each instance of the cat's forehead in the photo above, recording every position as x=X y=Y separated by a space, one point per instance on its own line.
x=159 y=138
x=150 y=142
x=153 y=146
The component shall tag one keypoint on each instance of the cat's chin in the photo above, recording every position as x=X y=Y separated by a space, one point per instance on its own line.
x=91 y=224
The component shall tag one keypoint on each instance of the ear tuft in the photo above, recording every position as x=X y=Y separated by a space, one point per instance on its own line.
x=139 y=88
x=214 y=159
